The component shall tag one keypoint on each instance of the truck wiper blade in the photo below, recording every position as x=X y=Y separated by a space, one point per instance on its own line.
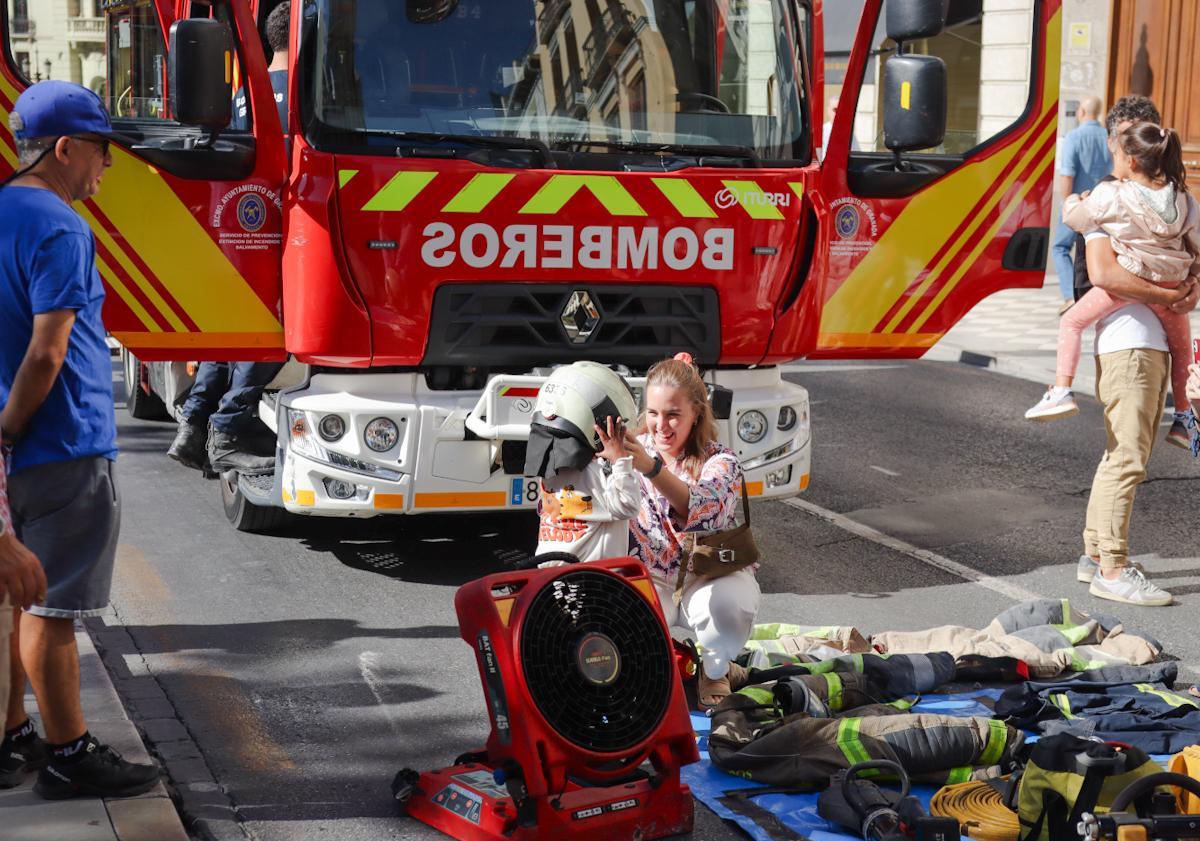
x=486 y=141
x=700 y=150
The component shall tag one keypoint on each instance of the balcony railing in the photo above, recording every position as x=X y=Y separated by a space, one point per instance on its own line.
x=615 y=22
x=24 y=26
x=85 y=29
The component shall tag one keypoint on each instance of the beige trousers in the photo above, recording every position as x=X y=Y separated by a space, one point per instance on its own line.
x=1132 y=385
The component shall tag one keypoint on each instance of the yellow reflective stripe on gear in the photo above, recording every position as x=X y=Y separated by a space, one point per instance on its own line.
x=834 y=682
x=683 y=196
x=758 y=695
x=962 y=773
x=344 y=176
x=775 y=630
x=478 y=193
x=560 y=189
x=905 y=703
x=402 y=189
x=906 y=95
x=1059 y=700
x=851 y=745
x=1172 y=698
x=753 y=200
x=997 y=739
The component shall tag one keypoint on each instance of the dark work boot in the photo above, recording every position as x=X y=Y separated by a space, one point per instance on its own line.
x=188 y=448
x=229 y=452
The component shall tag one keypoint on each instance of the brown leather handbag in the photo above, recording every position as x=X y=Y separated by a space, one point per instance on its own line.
x=723 y=553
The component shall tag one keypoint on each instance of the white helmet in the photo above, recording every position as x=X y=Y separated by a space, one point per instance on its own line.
x=578 y=396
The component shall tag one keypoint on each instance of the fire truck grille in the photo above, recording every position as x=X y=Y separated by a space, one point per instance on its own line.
x=527 y=324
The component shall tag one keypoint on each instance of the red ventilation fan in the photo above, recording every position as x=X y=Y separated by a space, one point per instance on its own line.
x=589 y=723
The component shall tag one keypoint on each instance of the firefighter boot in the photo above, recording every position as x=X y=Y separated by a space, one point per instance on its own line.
x=188 y=448
x=227 y=451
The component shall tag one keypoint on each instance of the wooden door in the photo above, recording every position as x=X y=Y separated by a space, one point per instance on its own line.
x=1154 y=53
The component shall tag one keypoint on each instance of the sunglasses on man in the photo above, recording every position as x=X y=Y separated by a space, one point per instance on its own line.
x=102 y=142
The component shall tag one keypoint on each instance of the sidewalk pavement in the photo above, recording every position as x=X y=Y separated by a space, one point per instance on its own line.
x=149 y=817
x=1015 y=332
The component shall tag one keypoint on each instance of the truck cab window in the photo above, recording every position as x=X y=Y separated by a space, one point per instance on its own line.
x=989 y=70
x=136 y=62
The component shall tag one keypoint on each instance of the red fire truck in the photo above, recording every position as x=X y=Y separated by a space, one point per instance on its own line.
x=468 y=192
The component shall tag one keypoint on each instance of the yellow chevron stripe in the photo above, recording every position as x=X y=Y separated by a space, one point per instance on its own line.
x=752 y=199
x=684 y=198
x=208 y=340
x=180 y=251
x=986 y=240
x=883 y=275
x=478 y=193
x=5 y=152
x=156 y=300
x=976 y=222
x=560 y=189
x=402 y=189
x=118 y=286
x=9 y=92
x=344 y=176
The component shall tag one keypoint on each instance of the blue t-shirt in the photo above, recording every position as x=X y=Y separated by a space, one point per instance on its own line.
x=241 y=108
x=48 y=263
x=1085 y=156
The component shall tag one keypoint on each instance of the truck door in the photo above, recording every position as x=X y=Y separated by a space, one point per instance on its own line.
x=906 y=246
x=188 y=238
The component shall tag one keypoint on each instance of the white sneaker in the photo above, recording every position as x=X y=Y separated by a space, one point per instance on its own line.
x=1086 y=569
x=1130 y=588
x=1056 y=403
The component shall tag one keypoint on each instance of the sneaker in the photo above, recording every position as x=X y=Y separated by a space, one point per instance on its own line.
x=1057 y=403
x=18 y=759
x=102 y=773
x=1086 y=569
x=1130 y=588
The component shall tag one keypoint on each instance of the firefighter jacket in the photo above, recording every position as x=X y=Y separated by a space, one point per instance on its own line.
x=1137 y=706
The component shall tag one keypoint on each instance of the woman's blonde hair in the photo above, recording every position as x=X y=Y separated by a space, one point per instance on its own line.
x=680 y=373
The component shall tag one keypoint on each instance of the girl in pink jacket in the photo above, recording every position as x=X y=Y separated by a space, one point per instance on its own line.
x=1152 y=222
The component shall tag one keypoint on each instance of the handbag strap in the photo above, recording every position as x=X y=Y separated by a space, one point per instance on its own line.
x=687 y=556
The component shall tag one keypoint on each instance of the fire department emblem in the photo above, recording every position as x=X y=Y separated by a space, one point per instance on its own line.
x=847 y=221
x=251 y=212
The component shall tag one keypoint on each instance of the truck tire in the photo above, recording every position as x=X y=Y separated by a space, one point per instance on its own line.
x=243 y=514
x=138 y=403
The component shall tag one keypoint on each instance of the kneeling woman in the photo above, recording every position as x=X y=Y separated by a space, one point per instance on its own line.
x=691 y=485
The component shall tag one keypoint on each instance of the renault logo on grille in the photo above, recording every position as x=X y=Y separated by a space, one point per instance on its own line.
x=580 y=317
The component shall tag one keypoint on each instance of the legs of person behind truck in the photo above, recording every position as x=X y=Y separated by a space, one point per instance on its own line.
x=219 y=429
x=189 y=446
x=236 y=440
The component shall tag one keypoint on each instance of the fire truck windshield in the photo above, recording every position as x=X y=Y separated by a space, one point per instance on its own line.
x=603 y=75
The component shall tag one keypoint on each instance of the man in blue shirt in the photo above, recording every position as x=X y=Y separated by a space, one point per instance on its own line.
x=59 y=430
x=1085 y=160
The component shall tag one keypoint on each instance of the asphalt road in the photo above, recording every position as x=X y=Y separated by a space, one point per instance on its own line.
x=307 y=667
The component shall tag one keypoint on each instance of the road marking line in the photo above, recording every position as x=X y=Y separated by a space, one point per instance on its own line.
x=368 y=663
x=884 y=470
x=1004 y=588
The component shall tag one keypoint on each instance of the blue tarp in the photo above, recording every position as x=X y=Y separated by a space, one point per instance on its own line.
x=799 y=811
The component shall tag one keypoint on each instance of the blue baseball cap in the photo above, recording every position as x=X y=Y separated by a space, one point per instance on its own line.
x=53 y=109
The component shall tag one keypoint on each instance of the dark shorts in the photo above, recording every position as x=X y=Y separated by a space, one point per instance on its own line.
x=69 y=514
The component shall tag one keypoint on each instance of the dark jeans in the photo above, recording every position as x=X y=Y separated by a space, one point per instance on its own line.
x=227 y=394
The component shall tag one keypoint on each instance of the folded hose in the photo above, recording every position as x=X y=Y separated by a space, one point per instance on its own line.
x=1187 y=762
x=979 y=809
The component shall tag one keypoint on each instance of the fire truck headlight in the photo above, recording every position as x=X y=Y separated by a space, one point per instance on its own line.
x=787 y=418
x=331 y=428
x=752 y=426
x=381 y=435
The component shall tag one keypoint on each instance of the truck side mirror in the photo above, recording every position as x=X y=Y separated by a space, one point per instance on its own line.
x=721 y=399
x=914 y=96
x=910 y=20
x=200 y=73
